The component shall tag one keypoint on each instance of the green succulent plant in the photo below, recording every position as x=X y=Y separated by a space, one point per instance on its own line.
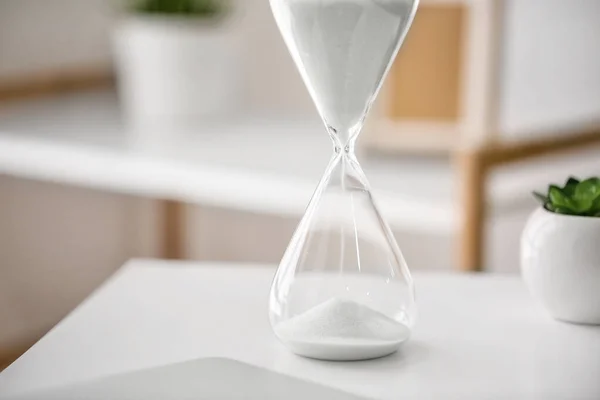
x=197 y=8
x=575 y=198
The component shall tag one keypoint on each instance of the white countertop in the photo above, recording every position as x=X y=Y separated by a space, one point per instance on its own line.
x=478 y=337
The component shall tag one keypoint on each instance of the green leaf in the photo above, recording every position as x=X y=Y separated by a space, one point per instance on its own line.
x=596 y=205
x=570 y=186
x=585 y=194
x=583 y=206
x=563 y=210
x=199 y=8
x=542 y=198
x=576 y=198
x=588 y=189
x=559 y=199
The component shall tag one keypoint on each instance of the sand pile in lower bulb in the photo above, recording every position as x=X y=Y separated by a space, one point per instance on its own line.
x=342 y=320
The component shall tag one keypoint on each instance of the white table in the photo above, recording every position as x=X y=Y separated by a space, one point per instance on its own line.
x=478 y=336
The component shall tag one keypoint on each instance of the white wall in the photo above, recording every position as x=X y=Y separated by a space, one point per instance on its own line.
x=550 y=66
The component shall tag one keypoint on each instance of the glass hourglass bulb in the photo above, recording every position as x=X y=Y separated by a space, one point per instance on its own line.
x=343 y=290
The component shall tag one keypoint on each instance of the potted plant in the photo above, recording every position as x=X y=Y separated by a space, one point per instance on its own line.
x=176 y=61
x=560 y=251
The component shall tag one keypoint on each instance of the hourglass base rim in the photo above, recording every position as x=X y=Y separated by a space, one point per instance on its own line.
x=343 y=351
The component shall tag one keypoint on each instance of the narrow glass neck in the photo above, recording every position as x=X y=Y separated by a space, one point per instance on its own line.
x=344 y=141
x=344 y=149
x=344 y=170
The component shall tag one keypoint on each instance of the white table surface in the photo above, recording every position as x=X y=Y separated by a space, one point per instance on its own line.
x=478 y=336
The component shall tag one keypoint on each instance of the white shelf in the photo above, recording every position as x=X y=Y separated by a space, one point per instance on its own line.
x=260 y=165
x=252 y=164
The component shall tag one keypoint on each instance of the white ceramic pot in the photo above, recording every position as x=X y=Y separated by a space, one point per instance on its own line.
x=560 y=261
x=174 y=70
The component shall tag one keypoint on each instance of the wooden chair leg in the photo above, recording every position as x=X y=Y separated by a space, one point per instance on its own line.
x=472 y=171
x=173 y=230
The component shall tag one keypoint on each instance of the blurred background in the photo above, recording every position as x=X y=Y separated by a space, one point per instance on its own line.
x=164 y=129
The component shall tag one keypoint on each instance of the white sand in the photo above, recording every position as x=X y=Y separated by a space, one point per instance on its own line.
x=342 y=330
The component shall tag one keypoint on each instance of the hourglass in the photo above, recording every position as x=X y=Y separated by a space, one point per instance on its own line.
x=343 y=290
